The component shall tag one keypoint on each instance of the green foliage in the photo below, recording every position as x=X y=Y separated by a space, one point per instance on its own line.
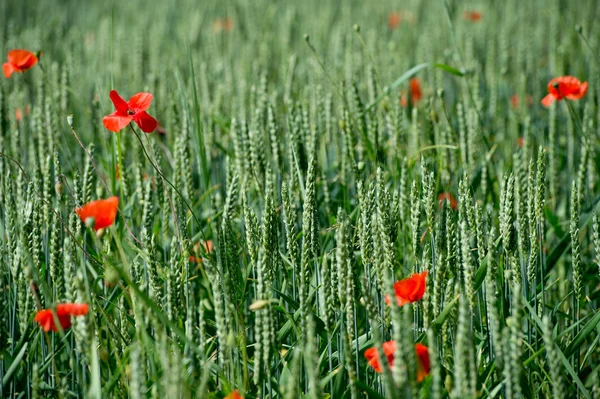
x=290 y=185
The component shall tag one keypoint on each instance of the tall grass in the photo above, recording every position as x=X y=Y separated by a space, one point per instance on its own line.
x=318 y=190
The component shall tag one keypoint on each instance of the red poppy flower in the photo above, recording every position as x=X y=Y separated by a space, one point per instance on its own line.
x=389 y=348
x=446 y=196
x=410 y=289
x=225 y=24
x=394 y=19
x=514 y=101
x=18 y=115
x=208 y=248
x=234 y=395
x=564 y=87
x=415 y=90
x=520 y=142
x=424 y=365
x=64 y=311
x=133 y=110
x=473 y=16
x=19 y=61
x=104 y=212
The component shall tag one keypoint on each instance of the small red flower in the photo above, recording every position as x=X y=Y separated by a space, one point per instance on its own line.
x=424 y=365
x=133 y=110
x=415 y=90
x=564 y=87
x=225 y=24
x=18 y=114
x=389 y=348
x=104 y=212
x=520 y=142
x=208 y=248
x=410 y=289
x=514 y=101
x=64 y=311
x=446 y=196
x=394 y=19
x=473 y=16
x=19 y=61
x=234 y=395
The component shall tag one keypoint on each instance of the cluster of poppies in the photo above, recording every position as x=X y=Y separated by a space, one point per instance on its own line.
x=408 y=290
x=395 y=17
x=101 y=214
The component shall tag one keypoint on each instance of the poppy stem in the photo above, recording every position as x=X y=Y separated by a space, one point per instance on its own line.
x=579 y=30
x=104 y=183
x=120 y=166
x=576 y=121
x=157 y=168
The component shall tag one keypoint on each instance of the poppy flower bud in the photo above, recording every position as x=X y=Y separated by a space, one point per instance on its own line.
x=103 y=354
x=306 y=37
x=441 y=94
x=58 y=187
x=90 y=222
x=111 y=276
x=356 y=28
x=579 y=29
x=70 y=120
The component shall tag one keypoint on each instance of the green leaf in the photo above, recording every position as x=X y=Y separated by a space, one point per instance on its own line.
x=449 y=69
x=565 y=242
x=14 y=365
x=407 y=75
x=563 y=359
x=368 y=390
x=583 y=334
x=436 y=325
x=95 y=391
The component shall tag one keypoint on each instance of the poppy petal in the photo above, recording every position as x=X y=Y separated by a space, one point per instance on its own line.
x=116 y=121
x=389 y=348
x=72 y=309
x=583 y=89
x=43 y=320
x=119 y=103
x=104 y=212
x=8 y=69
x=234 y=395
x=372 y=360
x=578 y=92
x=147 y=123
x=22 y=59
x=140 y=102
x=548 y=100
x=424 y=363
x=46 y=318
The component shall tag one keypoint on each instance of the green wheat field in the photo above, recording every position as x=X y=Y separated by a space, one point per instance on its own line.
x=338 y=199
